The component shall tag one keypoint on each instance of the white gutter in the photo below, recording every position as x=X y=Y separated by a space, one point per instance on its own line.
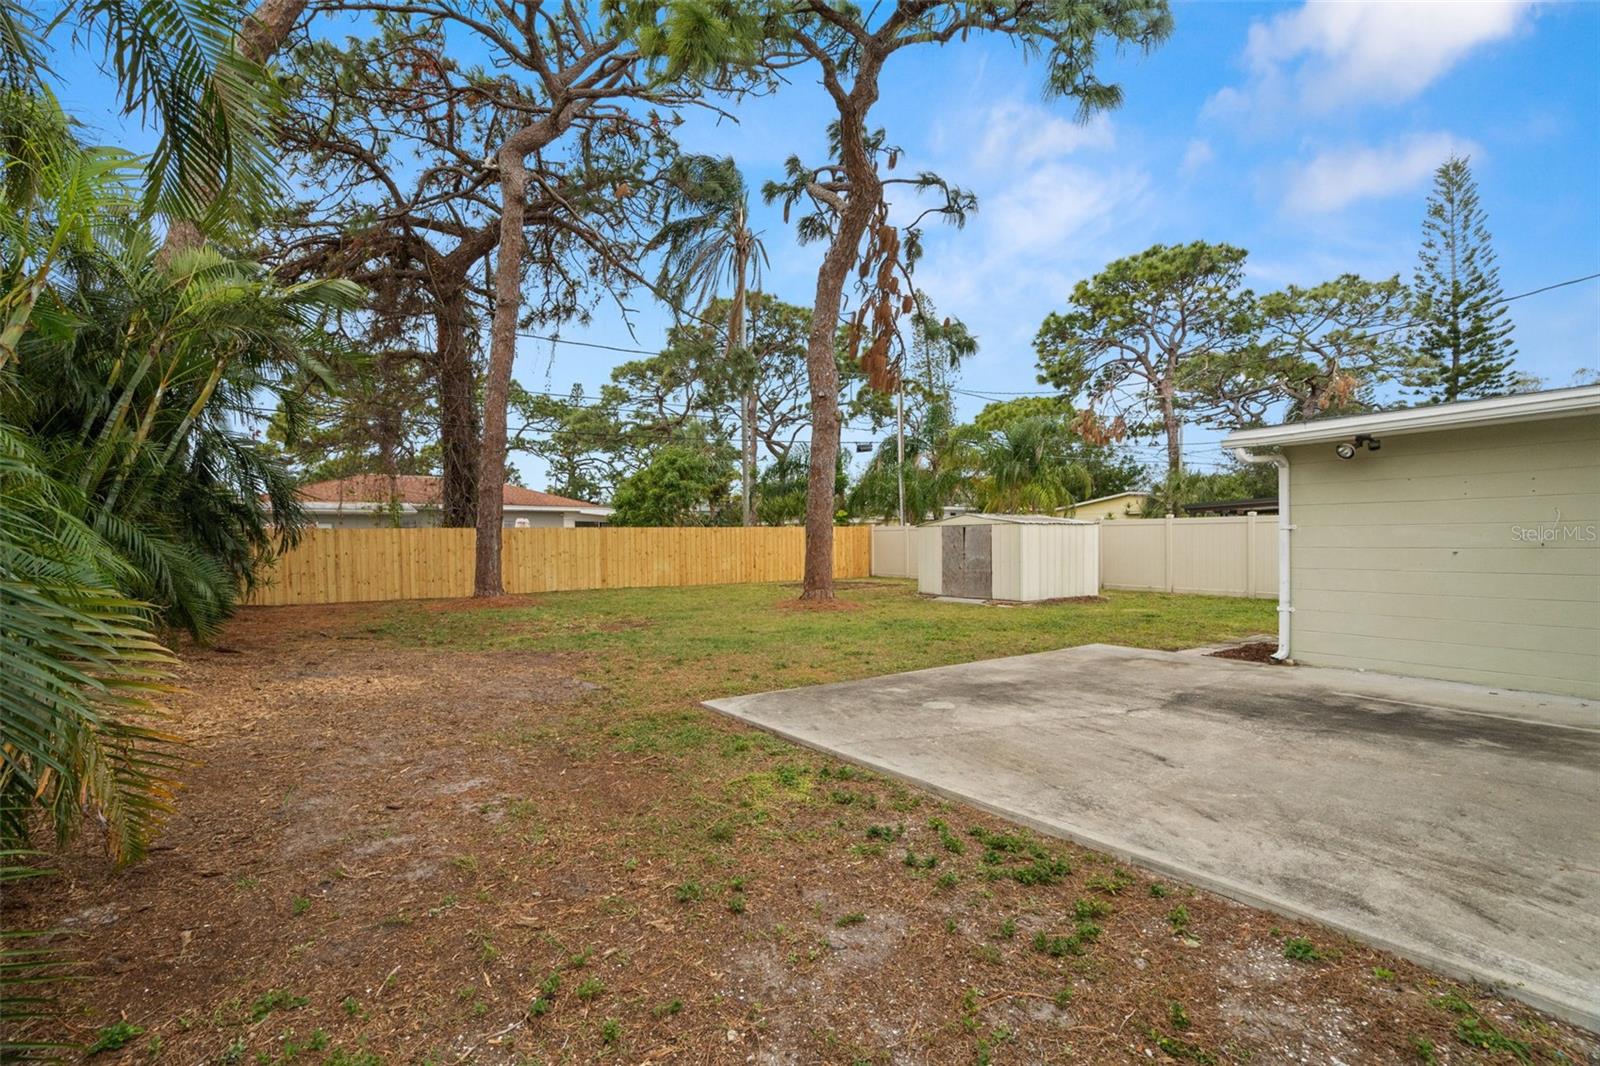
x=1285 y=528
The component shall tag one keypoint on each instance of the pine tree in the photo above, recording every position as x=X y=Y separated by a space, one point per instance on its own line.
x=1463 y=337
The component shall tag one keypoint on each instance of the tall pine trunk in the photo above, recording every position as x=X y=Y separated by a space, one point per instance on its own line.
x=823 y=373
x=822 y=368
x=486 y=577
x=512 y=162
x=458 y=409
x=1174 y=431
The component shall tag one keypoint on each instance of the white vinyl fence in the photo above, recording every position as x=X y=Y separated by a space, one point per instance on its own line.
x=1209 y=556
x=894 y=551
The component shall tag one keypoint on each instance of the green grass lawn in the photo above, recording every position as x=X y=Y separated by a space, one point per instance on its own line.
x=721 y=640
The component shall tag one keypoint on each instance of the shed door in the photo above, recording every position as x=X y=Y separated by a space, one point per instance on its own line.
x=968 y=561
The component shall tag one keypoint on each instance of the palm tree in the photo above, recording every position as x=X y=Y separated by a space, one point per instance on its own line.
x=79 y=732
x=1025 y=468
x=128 y=373
x=182 y=63
x=708 y=243
x=131 y=498
x=940 y=468
x=783 y=487
x=80 y=659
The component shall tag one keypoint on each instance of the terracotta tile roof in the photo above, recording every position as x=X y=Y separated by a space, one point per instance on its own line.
x=416 y=489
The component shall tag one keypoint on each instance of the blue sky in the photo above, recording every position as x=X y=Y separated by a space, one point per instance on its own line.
x=1305 y=133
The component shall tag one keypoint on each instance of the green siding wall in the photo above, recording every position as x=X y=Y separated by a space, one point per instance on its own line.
x=1432 y=556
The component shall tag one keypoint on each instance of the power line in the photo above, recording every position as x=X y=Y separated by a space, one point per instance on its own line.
x=1498 y=303
x=590 y=344
x=991 y=393
x=624 y=436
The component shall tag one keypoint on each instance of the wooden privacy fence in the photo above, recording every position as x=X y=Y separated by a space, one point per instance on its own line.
x=1212 y=556
x=351 y=565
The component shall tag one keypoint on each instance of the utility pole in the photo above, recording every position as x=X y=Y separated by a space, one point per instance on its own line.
x=739 y=335
x=749 y=452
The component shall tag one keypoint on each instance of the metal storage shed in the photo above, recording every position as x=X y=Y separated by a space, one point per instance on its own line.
x=1017 y=557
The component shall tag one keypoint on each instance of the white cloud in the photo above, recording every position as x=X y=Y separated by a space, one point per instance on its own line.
x=1053 y=206
x=1332 y=52
x=1196 y=156
x=1038 y=202
x=1019 y=134
x=1021 y=253
x=1336 y=178
x=1013 y=133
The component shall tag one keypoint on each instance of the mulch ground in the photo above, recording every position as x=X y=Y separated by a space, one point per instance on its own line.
x=1256 y=652
x=385 y=853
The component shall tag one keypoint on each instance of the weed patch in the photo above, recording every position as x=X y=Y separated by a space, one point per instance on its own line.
x=1299 y=949
x=1008 y=855
x=275 y=999
x=1474 y=1030
x=1090 y=908
x=113 y=1037
x=1112 y=883
x=951 y=842
x=1182 y=1049
x=1058 y=946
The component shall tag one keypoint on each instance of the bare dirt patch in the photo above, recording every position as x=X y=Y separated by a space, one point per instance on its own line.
x=797 y=604
x=388 y=853
x=483 y=603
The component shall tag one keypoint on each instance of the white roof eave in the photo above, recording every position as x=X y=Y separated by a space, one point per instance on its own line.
x=1558 y=403
x=411 y=508
x=1112 y=496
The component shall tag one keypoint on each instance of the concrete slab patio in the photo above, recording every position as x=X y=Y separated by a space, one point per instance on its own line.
x=1458 y=826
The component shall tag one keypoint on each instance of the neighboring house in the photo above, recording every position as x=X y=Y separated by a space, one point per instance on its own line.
x=1102 y=508
x=1458 y=541
x=1231 y=508
x=377 y=501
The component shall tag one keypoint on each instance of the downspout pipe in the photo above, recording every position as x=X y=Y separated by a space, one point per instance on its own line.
x=1285 y=529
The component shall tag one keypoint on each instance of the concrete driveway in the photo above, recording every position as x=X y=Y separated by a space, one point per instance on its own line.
x=1455 y=825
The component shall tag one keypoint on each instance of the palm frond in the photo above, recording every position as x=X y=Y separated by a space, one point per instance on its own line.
x=176 y=62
